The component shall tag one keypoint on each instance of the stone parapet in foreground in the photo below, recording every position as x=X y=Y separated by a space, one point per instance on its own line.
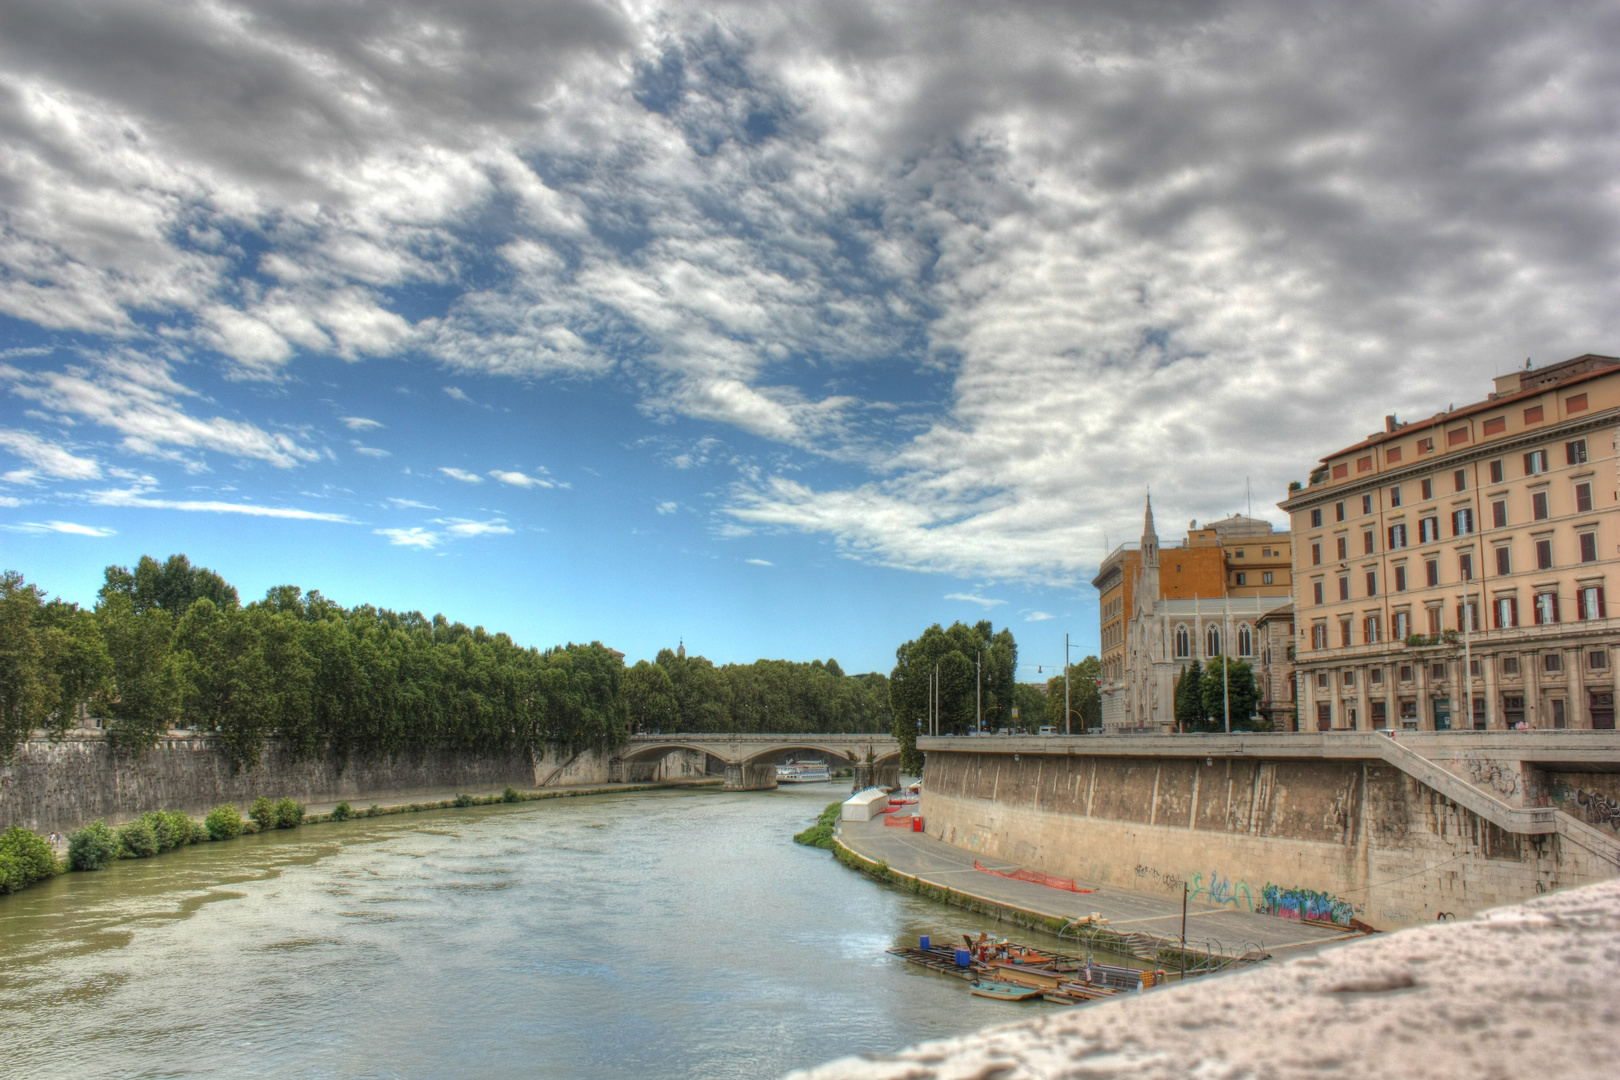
x=1520 y=991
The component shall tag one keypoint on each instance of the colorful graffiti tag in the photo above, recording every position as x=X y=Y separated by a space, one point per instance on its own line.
x=1305 y=905
x=1600 y=809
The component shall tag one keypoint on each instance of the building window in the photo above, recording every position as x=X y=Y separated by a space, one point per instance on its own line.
x=1559 y=719
x=1431 y=572
x=1183 y=643
x=1544 y=555
x=1372 y=583
x=1535 y=463
x=1459 y=480
x=1456 y=435
x=1434 y=620
x=1324 y=716
x=1510 y=665
x=1376 y=676
x=1538 y=506
x=1245 y=641
x=1400 y=579
x=1364 y=464
x=1367 y=542
x=1316 y=518
x=1344 y=588
x=1496 y=425
x=1428 y=530
x=1344 y=552
x=1397 y=536
x=1465 y=566
x=1425 y=446
x=1546 y=608
x=1533 y=415
x=1462 y=521
x=1507 y=616
x=1437 y=671
x=1575 y=403
x=1338 y=509
x=1395 y=496
x=1374 y=630
x=1583 y=498
x=1316 y=554
x=1212 y=641
x=1588 y=547
x=1598 y=661
x=1345 y=640
x=1427 y=486
x=1552 y=663
x=1575 y=452
x=1366 y=504
x=1504 y=562
x=1589 y=602
x=1468 y=616
x=1341 y=470
x=1319 y=635
x=1241 y=578
x=1499 y=514
x=1392 y=455
x=1349 y=677
x=1318 y=587
x=1496 y=470
x=1403 y=625
x=1265 y=577
x=1406 y=673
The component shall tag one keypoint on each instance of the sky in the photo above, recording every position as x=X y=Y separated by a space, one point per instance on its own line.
x=783 y=330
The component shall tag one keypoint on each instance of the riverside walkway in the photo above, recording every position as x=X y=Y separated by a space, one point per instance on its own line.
x=1219 y=930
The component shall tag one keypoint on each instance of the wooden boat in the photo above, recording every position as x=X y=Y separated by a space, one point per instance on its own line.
x=1003 y=991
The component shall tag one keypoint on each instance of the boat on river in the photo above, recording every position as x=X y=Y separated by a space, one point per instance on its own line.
x=1002 y=991
x=1052 y=976
x=803 y=772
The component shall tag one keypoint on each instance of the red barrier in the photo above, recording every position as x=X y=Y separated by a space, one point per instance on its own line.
x=899 y=821
x=1034 y=877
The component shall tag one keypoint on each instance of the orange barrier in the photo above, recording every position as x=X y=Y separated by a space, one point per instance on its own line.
x=899 y=821
x=1034 y=877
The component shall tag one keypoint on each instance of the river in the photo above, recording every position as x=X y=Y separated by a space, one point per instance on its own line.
x=677 y=933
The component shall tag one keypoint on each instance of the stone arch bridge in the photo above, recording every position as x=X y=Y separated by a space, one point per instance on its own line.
x=750 y=760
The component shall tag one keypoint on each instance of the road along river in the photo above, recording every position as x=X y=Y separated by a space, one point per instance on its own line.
x=656 y=934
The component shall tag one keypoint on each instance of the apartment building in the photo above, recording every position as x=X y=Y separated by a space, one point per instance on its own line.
x=1481 y=537
x=1162 y=609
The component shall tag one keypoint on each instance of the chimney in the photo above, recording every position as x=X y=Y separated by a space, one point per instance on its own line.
x=1390 y=423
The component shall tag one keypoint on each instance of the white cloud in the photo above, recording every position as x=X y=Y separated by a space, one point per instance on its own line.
x=68 y=527
x=667 y=507
x=759 y=562
x=409 y=504
x=464 y=528
x=371 y=451
x=360 y=423
x=461 y=474
x=47 y=457
x=517 y=479
x=457 y=393
x=982 y=601
x=412 y=537
x=8 y=500
x=1039 y=616
x=137 y=496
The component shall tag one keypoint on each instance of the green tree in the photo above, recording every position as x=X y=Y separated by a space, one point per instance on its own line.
x=649 y=697
x=25 y=858
x=1033 y=705
x=1190 y=698
x=29 y=690
x=223 y=822
x=169 y=586
x=226 y=684
x=975 y=666
x=1085 y=702
x=146 y=674
x=93 y=847
x=1240 y=685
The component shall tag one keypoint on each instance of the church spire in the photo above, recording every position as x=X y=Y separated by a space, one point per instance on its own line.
x=1150 y=538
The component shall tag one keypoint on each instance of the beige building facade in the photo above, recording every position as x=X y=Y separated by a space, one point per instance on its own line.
x=1452 y=573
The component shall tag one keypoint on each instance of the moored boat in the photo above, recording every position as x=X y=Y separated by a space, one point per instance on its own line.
x=1003 y=991
x=803 y=772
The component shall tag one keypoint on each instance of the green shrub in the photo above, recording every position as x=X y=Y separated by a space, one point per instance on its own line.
x=374 y=811
x=464 y=800
x=510 y=794
x=170 y=833
x=223 y=822
x=342 y=812
x=250 y=828
x=289 y=814
x=821 y=833
x=263 y=811
x=93 y=847
x=183 y=828
x=139 y=839
x=25 y=857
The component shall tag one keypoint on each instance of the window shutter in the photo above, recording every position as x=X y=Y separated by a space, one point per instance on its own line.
x=1580 y=605
x=1555 y=607
x=1600 y=613
x=1529 y=464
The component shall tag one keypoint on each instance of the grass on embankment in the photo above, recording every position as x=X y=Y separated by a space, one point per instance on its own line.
x=27 y=858
x=821 y=833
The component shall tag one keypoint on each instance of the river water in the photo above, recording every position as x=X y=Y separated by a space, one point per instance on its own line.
x=678 y=933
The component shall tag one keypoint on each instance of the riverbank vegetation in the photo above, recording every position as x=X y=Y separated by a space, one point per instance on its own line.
x=676 y=692
x=821 y=833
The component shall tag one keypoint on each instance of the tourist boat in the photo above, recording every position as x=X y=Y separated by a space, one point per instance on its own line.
x=1003 y=991
x=803 y=772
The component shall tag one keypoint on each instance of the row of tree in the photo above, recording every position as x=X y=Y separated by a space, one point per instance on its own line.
x=677 y=692
x=1206 y=696
x=169 y=644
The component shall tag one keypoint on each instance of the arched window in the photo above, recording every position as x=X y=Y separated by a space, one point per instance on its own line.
x=1245 y=640
x=1183 y=643
x=1212 y=641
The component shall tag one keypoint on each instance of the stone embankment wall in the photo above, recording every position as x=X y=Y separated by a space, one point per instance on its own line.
x=61 y=786
x=1329 y=840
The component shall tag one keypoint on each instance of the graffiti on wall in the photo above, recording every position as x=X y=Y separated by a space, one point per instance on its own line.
x=1221 y=891
x=1598 y=808
x=1167 y=882
x=1305 y=905
x=1502 y=780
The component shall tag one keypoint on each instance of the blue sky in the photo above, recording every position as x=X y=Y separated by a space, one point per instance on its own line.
x=786 y=330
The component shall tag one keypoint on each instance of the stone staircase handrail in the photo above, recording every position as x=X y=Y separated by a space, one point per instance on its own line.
x=1513 y=819
x=1590 y=837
